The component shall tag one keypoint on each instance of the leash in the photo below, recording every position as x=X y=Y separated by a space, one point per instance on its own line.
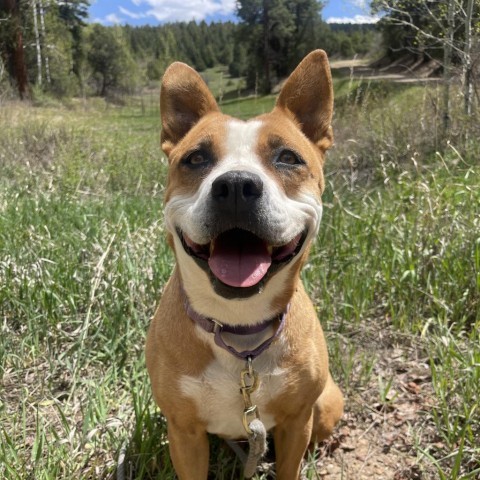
x=256 y=432
x=249 y=381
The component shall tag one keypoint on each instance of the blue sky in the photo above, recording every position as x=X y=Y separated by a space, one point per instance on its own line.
x=155 y=12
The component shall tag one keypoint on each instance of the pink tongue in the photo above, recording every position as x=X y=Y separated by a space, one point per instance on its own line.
x=239 y=259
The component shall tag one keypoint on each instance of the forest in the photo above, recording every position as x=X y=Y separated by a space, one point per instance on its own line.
x=48 y=46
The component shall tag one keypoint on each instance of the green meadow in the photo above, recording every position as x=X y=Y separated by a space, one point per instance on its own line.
x=395 y=275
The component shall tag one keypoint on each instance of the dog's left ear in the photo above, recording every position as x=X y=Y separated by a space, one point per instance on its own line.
x=308 y=96
x=184 y=100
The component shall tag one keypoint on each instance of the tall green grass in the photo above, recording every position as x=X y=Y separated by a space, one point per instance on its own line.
x=83 y=262
x=406 y=255
x=420 y=237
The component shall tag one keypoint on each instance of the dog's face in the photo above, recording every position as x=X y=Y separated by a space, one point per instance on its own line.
x=243 y=198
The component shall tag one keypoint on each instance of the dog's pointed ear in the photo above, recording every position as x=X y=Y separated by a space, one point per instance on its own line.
x=184 y=100
x=308 y=96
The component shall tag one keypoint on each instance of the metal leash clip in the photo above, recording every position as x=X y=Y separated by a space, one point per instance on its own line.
x=249 y=383
x=249 y=414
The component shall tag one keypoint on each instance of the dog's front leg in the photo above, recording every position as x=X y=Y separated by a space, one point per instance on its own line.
x=189 y=450
x=291 y=439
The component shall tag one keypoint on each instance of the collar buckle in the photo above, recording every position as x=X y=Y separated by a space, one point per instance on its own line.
x=217 y=326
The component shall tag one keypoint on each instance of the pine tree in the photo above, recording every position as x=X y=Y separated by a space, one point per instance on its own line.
x=280 y=33
x=73 y=14
x=12 y=40
x=103 y=54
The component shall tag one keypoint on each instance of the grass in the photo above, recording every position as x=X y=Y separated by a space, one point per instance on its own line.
x=221 y=83
x=407 y=256
x=83 y=262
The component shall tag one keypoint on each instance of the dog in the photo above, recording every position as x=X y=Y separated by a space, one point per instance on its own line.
x=235 y=337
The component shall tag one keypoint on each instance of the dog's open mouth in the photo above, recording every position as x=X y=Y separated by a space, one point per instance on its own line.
x=239 y=258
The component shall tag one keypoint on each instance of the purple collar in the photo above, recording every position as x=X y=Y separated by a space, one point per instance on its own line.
x=213 y=326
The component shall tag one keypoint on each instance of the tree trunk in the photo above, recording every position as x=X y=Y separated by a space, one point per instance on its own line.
x=15 y=54
x=447 y=66
x=104 y=86
x=37 y=43
x=467 y=62
x=266 y=45
x=44 y=42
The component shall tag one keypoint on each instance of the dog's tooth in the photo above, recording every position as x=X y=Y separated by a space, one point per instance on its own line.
x=270 y=249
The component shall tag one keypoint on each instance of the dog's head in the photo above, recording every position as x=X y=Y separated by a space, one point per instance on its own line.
x=243 y=197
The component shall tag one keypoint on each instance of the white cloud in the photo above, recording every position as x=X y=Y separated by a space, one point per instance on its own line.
x=354 y=19
x=174 y=10
x=113 y=18
x=171 y=11
x=362 y=4
x=130 y=14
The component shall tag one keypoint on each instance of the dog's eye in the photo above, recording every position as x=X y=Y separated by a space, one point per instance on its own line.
x=287 y=157
x=196 y=159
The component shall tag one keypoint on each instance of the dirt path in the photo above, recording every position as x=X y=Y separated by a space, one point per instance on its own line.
x=403 y=70
x=385 y=420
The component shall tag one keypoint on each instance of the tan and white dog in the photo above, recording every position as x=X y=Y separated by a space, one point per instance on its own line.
x=242 y=208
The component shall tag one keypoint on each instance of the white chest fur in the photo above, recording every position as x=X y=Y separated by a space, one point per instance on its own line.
x=216 y=392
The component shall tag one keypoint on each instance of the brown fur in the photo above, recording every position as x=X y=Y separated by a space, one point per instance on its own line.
x=309 y=408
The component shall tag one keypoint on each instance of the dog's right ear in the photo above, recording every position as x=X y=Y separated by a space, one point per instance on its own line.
x=184 y=99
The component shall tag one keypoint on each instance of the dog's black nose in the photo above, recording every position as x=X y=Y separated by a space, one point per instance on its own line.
x=236 y=191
